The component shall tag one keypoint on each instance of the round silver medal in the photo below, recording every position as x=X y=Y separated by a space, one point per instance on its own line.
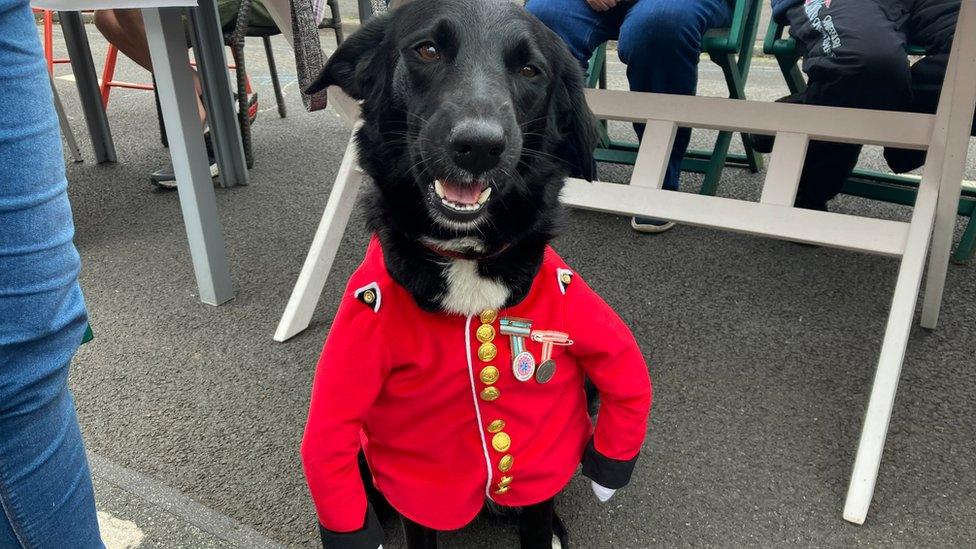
x=545 y=371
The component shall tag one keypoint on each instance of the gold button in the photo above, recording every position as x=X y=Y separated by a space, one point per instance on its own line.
x=501 y=491
x=488 y=316
x=487 y=352
x=501 y=442
x=490 y=394
x=504 y=482
x=566 y=278
x=505 y=464
x=496 y=426
x=485 y=333
x=489 y=375
x=369 y=296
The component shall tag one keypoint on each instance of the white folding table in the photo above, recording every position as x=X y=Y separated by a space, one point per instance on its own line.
x=944 y=135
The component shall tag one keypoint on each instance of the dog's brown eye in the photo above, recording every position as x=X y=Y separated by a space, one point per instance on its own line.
x=528 y=71
x=428 y=51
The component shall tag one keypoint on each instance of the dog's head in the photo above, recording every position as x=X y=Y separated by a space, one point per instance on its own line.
x=474 y=113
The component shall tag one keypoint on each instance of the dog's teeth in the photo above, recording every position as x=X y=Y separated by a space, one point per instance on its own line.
x=457 y=206
x=483 y=197
x=439 y=188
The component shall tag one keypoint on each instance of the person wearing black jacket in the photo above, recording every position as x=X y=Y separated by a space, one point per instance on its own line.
x=854 y=56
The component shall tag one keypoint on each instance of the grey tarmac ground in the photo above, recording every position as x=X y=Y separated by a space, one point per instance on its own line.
x=761 y=351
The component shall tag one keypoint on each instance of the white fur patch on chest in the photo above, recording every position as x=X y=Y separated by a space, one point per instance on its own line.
x=469 y=293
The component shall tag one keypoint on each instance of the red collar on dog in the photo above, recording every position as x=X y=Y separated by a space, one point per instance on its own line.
x=470 y=256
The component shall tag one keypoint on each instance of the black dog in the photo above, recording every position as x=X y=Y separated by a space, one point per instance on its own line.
x=474 y=115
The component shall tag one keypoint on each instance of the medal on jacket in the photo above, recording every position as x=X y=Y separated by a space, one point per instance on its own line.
x=517 y=329
x=548 y=338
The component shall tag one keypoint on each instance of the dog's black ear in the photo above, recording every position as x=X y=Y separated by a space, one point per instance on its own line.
x=357 y=64
x=574 y=119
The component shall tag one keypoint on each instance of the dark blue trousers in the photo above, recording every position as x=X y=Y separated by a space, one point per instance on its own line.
x=658 y=40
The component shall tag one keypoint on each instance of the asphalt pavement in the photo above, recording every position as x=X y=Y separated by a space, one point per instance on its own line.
x=761 y=351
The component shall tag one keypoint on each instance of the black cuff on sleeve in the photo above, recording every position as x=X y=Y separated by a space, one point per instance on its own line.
x=607 y=472
x=370 y=536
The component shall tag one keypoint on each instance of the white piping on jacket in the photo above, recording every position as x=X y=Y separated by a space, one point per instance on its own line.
x=477 y=410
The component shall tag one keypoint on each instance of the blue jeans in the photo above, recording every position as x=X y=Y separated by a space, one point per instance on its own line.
x=46 y=497
x=658 y=40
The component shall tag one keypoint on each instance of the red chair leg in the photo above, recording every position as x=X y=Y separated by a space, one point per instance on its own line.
x=108 y=73
x=49 y=40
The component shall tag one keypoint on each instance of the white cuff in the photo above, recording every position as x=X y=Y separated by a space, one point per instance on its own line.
x=603 y=494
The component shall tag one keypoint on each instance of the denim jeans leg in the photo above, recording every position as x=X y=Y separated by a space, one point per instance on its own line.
x=580 y=27
x=660 y=42
x=46 y=496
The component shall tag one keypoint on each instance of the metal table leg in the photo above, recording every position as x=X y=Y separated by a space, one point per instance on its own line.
x=87 y=81
x=208 y=48
x=174 y=84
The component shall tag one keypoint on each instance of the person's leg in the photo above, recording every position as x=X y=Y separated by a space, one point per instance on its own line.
x=124 y=29
x=580 y=26
x=853 y=54
x=46 y=496
x=417 y=536
x=535 y=524
x=931 y=24
x=660 y=42
x=582 y=29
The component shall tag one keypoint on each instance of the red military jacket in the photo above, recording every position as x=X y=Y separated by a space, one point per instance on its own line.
x=441 y=429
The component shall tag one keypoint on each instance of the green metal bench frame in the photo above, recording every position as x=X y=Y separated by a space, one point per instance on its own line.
x=888 y=187
x=729 y=48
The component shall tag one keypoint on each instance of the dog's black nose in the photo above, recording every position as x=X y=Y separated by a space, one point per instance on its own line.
x=477 y=145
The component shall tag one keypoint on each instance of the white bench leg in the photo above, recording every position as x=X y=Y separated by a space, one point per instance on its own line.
x=899 y=327
x=875 y=428
x=315 y=271
x=945 y=222
x=959 y=95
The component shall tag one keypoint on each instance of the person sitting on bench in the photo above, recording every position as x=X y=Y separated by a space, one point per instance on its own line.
x=659 y=41
x=854 y=56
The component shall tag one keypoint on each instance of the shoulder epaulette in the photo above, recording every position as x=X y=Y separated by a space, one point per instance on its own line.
x=563 y=277
x=370 y=296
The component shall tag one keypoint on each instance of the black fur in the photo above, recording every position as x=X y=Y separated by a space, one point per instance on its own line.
x=411 y=105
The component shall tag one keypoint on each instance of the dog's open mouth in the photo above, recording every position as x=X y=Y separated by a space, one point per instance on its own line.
x=462 y=198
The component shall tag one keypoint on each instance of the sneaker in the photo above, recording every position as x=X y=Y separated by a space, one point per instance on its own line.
x=649 y=225
x=165 y=178
x=764 y=143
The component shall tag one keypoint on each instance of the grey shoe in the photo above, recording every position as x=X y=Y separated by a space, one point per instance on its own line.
x=165 y=178
x=649 y=225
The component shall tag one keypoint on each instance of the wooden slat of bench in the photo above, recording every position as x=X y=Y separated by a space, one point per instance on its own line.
x=655 y=150
x=906 y=130
x=785 y=168
x=877 y=236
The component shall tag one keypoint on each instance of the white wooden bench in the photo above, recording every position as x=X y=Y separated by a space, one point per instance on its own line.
x=945 y=135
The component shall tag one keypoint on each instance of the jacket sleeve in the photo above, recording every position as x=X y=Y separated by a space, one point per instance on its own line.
x=612 y=360
x=348 y=378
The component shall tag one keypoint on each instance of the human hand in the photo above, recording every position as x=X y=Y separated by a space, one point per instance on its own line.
x=601 y=5
x=603 y=494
